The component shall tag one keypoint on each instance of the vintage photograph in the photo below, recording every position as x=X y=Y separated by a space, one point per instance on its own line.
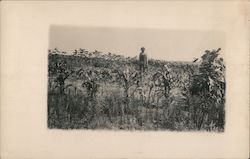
x=124 y=79
x=136 y=79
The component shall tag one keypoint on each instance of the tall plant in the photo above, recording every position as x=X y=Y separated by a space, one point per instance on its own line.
x=209 y=85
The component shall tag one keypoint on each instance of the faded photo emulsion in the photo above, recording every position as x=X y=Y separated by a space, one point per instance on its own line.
x=136 y=79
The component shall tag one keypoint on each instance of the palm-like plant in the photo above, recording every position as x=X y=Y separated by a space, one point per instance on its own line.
x=163 y=79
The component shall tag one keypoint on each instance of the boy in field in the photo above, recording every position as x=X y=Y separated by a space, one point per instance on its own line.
x=143 y=60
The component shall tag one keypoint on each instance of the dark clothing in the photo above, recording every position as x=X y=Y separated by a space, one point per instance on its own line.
x=143 y=61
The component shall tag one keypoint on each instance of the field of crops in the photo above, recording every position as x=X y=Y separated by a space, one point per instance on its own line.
x=93 y=90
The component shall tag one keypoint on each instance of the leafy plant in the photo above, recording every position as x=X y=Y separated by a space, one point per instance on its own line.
x=210 y=86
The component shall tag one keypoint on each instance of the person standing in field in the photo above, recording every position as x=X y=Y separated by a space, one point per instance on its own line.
x=143 y=60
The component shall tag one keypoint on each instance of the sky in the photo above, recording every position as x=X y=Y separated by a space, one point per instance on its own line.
x=172 y=45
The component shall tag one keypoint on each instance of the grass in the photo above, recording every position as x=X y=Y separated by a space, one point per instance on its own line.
x=110 y=109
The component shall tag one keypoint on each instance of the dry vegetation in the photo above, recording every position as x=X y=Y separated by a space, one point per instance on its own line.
x=93 y=90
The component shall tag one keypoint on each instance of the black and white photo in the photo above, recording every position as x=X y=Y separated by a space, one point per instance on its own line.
x=136 y=79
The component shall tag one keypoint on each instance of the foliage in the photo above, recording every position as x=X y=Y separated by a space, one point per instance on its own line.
x=209 y=85
x=95 y=90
